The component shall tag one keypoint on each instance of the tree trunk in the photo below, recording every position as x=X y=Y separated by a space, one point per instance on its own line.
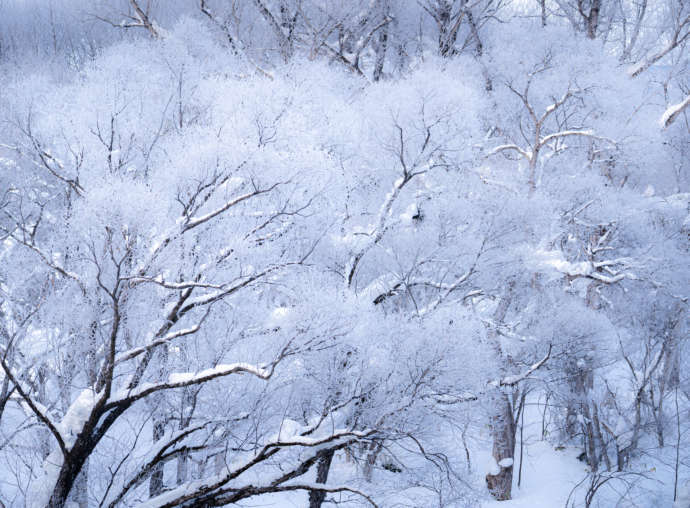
x=80 y=493
x=64 y=484
x=380 y=48
x=317 y=497
x=189 y=397
x=590 y=442
x=582 y=382
x=372 y=454
x=542 y=4
x=156 y=482
x=593 y=19
x=503 y=432
x=70 y=470
x=502 y=422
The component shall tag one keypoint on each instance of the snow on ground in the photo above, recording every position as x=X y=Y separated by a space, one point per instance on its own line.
x=550 y=473
x=548 y=476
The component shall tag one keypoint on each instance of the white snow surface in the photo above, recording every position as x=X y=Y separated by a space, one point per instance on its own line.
x=548 y=476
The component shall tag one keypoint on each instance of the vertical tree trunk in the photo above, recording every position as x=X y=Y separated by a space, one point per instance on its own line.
x=592 y=20
x=156 y=482
x=70 y=470
x=599 y=437
x=80 y=490
x=45 y=437
x=447 y=27
x=64 y=484
x=582 y=380
x=182 y=468
x=380 y=47
x=503 y=433
x=502 y=423
x=373 y=452
x=189 y=397
x=542 y=4
x=532 y=182
x=316 y=497
x=589 y=437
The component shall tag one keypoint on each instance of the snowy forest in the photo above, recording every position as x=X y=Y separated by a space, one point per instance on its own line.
x=384 y=253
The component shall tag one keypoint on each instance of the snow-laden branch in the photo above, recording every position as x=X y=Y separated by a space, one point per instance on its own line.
x=134 y=352
x=384 y=289
x=216 y=487
x=680 y=34
x=76 y=416
x=165 y=450
x=449 y=399
x=538 y=141
x=673 y=112
x=553 y=107
x=377 y=232
x=133 y=281
x=602 y=271
x=319 y=487
x=563 y=134
x=448 y=290
x=193 y=222
x=543 y=140
x=223 y=293
x=419 y=166
x=503 y=148
x=517 y=378
x=179 y=380
x=46 y=159
x=303 y=440
x=185 y=224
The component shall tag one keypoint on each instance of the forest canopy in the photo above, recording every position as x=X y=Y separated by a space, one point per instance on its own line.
x=362 y=252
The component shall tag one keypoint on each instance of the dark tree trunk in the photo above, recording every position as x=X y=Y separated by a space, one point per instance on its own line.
x=63 y=485
x=590 y=18
x=80 y=492
x=70 y=470
x=380 y=47
x=323 y=466
x=593 y=21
